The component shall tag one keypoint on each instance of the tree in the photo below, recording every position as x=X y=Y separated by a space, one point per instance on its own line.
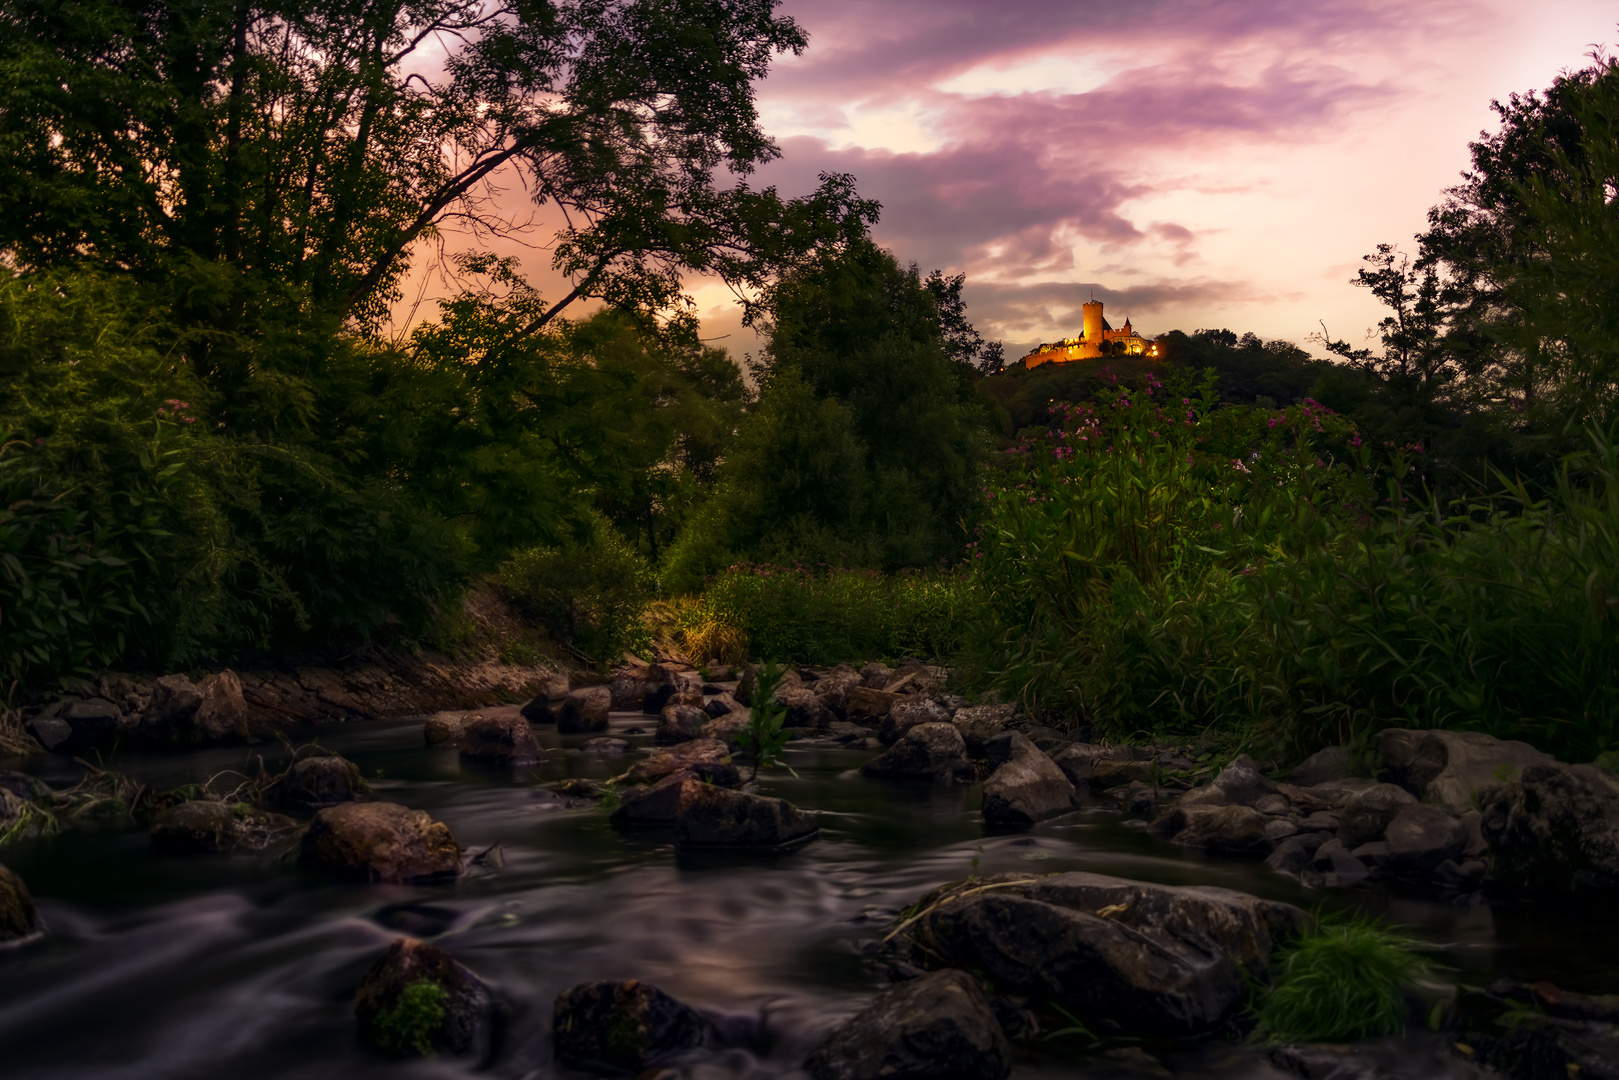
x=271 y=162
x=1527 y=249
x=962 y=341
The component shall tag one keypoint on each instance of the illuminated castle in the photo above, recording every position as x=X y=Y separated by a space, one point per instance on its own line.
x=1098 y=340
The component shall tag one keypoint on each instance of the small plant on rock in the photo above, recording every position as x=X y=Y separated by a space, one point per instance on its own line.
x=1343 y=980
x=764 y=737
x=413 y=1021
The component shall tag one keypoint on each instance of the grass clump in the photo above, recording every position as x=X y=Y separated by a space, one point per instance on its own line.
x=1338 y=982
x=413 y=1021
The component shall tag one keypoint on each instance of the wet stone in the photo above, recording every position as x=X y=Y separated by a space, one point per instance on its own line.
x=626 y=1026
x=381 y=842
x=418 y=1001
x=937 y=1025
x=502 y=740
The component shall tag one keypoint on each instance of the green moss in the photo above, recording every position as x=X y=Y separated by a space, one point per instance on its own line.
x=414 y=1020
x=1339 y=982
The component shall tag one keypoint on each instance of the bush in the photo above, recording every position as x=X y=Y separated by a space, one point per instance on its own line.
x=589 y=594
x=834 y=616
x=1340 y=982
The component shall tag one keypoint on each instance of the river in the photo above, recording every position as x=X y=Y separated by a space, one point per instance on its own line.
x=244 y=967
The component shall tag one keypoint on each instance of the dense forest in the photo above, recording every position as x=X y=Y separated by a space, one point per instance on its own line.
x=215 y=447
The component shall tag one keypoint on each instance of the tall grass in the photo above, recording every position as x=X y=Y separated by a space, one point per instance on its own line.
x=1340 y=981
x=1158 y=563
x=828 y=616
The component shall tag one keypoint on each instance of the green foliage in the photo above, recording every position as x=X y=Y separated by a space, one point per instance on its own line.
x=867 y=444
x=1170 y=565
x=414 y=1020
x=589 y=593
x=829 y=616
x=764 y=738
x=1338 y=982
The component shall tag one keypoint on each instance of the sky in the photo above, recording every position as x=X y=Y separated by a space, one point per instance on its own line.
x=1195 y=163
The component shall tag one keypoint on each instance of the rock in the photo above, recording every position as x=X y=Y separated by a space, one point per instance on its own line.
x=1320 y=821
x=1450 y=768
x=1273 y=804
x=210 y=713
x=1367 y=814
x=626 y=689
x=585 y=711
x=865 y=703
x=454 y=1011
x=625 y=1026
x=76 y=726
x=538 y=710
x=1554 y=832
x=1328 y=1062
x=1129 y=958
x=713 y=816
x=1295 y=854
x=380 y=841
x=500 y=740
x=685 y=756
x=1524 y=1033
x=730 y=729
x=938 y=1025
x=604 y=746
x=442 y=729
x=1110 y=772
x=1278 y=829
x=205 y=827
x=1420 y=838
x=18 y=919
x=933 y=751
x=804 y=709
x=679 y=723
x=656 y=805
x=750 y=682
x=981 y=723
x=876 y=676
x=1078 y=760
x=1242 y=783
x=1332 y=792
x=834 y=688
x=312 y=783
x=908 y=713
x=1333 y=763
x=723 y=705
x=1225 y=830
x=1341 y=867
x=1026 y=788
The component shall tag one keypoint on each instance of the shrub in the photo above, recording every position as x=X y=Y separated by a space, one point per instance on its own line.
x=833 y=616
x=589 y=593
x=1338 y=982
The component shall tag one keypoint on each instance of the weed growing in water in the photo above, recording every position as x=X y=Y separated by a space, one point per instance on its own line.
x=1340 y=981
x=764 y=737
x=414 y=1019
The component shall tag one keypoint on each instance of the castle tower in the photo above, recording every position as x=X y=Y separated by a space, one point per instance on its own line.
x=1093 y=323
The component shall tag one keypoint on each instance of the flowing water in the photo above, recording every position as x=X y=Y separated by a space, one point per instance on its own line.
x=243 y=967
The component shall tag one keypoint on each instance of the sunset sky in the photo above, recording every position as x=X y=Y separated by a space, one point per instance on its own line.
x=1199 y=163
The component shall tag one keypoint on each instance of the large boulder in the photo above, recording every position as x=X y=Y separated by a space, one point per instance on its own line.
x=1126 y=957
x=1554 y=832
x=1331 y=763
x=182 y=713
x=585 y=711
x=627 y=688
x=927 y=751
x=981 y=723
x=1225 y=830
x=834 y=688
x=503 y=740
x=687 y=755
x=537 y=710
x=380 y=841
x=658 y=805
x=1420 y=838
x=867 y=705
x=909 y=712
x=205 y=826
x=416 y=1000
x=74 y=727
x=625 y=1026
x=1368 y=813
x=18 y=919
x=1450 y=768
x=939 y=1025
x=313 y=783
x=443 y=729
x=803 y=709
x=679 y=723
x=1026 y=788
x=712 y=816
